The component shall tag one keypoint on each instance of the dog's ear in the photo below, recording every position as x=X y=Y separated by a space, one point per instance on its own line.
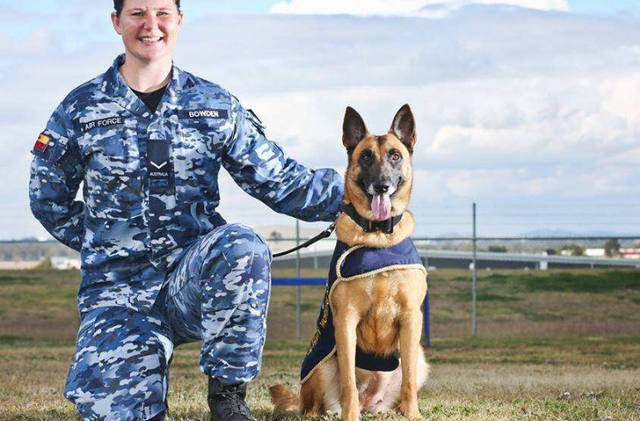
x=404 y=127
x=353 y=129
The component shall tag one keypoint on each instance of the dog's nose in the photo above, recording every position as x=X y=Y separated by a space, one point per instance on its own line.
x=381 y=188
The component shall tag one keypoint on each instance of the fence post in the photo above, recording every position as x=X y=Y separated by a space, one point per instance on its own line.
x=315 y=257
x=298 y=297
x=427 y=319
x=475 y=277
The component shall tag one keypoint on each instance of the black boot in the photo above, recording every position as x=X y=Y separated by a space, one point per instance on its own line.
x=226 y=402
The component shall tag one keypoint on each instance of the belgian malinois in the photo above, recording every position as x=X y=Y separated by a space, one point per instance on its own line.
x=378 y=312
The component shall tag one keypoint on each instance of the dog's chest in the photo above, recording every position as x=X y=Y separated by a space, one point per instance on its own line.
x=375 y=282
x=380 y=306
x=378 y=297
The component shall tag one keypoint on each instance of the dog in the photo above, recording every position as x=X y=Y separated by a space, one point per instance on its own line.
x=376 y=299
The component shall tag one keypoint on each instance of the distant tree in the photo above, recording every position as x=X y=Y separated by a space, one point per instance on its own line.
x=573 y=249
x=497 y=249
x=45 y=264
x=551 y=252
x=275 y=235
x=612 y=247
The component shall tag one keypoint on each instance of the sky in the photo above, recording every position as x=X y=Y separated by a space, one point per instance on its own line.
x=529 y=108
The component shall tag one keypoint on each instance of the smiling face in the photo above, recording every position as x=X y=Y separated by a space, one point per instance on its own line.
x=379 y=173
x=149 y=29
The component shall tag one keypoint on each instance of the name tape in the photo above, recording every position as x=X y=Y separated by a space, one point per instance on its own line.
x=185 y=114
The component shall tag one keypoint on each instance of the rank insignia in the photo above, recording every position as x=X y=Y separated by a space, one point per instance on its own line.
x=42 y=143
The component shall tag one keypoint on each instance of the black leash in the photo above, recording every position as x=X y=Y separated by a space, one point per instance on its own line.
x=324 y=234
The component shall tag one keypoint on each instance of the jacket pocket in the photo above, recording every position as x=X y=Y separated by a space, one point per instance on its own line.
x=197 y=159
x=113 y=179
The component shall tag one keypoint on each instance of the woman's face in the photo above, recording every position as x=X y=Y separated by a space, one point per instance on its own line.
x=149 y=28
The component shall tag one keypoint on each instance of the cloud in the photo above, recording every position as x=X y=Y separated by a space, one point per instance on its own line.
x=514 y=106
x=427 y=8
x=37 y=41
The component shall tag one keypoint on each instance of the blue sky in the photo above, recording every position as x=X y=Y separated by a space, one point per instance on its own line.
x=599 y=6
x=263 y=6
x=533 y=113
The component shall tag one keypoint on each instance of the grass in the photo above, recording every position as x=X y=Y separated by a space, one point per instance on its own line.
x=594 y=379
x=557 y=345
x=41 y=304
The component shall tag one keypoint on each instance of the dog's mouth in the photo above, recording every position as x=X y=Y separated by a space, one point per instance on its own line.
x=381 y=203
x=380 y=206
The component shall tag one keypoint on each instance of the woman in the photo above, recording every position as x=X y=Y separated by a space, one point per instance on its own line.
x=160 y=267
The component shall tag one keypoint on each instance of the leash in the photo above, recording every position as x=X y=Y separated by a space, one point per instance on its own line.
x=324 y=234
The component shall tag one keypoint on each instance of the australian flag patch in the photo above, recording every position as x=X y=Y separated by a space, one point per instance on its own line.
x=42 y=143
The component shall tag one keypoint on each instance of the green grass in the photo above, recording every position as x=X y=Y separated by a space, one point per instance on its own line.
x=566 y=281
x=583 y=283
x=465 y=296
x=557 y=345
x=41 y=304
x=500 y=379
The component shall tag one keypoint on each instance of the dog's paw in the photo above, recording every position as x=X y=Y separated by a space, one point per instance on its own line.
x=350 y=414
x=410 y=411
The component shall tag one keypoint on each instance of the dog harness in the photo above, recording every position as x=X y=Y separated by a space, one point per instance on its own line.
x=350 y=264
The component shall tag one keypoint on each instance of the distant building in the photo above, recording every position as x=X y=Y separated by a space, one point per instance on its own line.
x=630 y=253
x=65 y=263
x=595 y=253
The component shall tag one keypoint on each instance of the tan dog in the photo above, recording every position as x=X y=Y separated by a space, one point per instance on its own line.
x=378 y=312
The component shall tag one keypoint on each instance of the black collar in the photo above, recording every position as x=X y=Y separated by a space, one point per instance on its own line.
x=385 y=226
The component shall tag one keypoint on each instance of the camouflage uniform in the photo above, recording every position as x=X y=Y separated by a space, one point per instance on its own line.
x=160 y=267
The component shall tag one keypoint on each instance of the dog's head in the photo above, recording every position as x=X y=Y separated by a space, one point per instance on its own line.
x=379 y=177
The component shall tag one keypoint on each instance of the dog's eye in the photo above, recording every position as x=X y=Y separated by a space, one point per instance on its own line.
x=396 y=156
x=366 y=157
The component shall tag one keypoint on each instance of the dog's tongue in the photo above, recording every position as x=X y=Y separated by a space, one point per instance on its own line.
x=381 y=207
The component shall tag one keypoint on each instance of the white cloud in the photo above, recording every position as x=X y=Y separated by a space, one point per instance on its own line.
x=511 y=105
x=35 y=43
x=428 y=8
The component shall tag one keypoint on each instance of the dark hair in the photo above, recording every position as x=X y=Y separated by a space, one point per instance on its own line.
x=119 y=4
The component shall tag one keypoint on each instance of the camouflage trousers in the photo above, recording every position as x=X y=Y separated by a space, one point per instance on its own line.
x=218 y=293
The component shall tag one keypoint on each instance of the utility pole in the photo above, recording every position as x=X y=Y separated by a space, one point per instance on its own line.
x=474 y=290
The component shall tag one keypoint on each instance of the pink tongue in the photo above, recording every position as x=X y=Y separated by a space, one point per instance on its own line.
x=381 y=207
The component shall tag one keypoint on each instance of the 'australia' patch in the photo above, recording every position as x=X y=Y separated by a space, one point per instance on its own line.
x=186 y=114
x=103 y=122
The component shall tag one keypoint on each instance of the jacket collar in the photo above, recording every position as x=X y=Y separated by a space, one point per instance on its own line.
x=115 y=87
x=367 y=225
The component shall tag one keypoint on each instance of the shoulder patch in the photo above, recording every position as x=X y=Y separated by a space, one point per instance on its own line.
x=42 y=143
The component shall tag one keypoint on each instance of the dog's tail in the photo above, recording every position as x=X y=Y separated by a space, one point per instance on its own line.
x=284 y=399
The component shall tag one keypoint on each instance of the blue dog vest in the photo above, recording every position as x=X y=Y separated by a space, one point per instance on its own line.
x=349 y=264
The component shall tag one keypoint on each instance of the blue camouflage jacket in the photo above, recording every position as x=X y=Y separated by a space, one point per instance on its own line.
x=150 y=184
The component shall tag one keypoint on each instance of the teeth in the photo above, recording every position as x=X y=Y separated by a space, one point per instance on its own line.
x=151 y=39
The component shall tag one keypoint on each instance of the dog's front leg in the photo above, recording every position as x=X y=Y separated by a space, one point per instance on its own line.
x=410 y=331
x=345 y=328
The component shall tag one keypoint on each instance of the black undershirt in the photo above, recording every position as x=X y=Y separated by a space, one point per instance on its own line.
x=151 y=99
